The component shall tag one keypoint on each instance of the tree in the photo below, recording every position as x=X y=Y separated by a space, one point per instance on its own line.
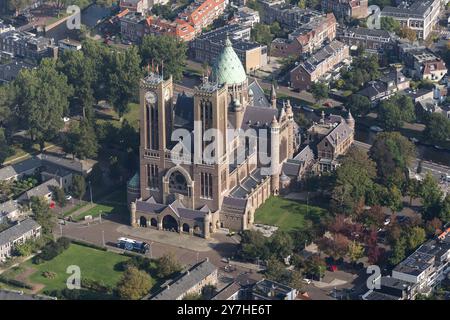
x=167 y=266
x=413 y=190
x=353 y=180
x=5 y=149
x=374 y=217
x=281 y=244
x=374 y=254
x=444 y=215
x=355 y=251
x=319 y=91
x=123 y=78
x=415 y=237
x=59 y=196
x=437 y=128
x=43 y=100
x=81 y=74
x=390 y=24
x=395 y=111
x=253 y=246
x=315 y=266
x=398 y=252
x=167 y=50
x=24 y=249
x=431 y=195
x=433 y=227
x=393 y=155
x=134 y=284
x=407 y=33
x=394 y=199
x=18 y=5
x=81 y=140
x=78 y=188
x=261 y=33
x=359 y=105
x=42 y=215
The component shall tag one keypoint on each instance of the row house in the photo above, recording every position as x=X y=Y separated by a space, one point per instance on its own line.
x=371 y=40
x=307 y=38
x=421 y=63
x=319 y=64
x=21 y=232
x=200 y=14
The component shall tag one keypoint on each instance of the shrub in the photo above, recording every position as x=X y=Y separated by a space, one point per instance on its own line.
x=16 y=283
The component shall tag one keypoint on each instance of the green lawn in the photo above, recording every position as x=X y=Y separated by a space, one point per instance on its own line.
x=104 y=209
x=132 y=116
x=287 y=214
x=94 y=264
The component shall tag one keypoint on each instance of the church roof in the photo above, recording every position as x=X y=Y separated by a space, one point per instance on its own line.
x=228 y=68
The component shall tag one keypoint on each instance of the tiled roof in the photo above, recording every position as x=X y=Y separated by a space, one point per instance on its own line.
x=187 y=281
x=18 y=230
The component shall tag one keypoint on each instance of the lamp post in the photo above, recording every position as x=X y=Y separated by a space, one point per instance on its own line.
x=90 y=189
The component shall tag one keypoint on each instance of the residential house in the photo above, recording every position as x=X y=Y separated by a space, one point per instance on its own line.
x=389 y=84
x=421 y=63
x=307 y=38
x=190 y=283
x=9 y=210
x=44 y=190
x=319 y=64
x=330 y=139
x=271 y=290
x=22 y=231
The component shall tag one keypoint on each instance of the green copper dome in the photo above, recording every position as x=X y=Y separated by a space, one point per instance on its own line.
x=228 y=68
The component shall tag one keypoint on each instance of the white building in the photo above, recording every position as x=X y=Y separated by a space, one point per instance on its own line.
x=21 y=232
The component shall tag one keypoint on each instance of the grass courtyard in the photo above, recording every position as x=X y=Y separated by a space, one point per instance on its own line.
x=94 y=264
x=287 y=214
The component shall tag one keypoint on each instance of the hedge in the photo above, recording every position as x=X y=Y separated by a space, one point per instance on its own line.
x=16 y=283
x=88 y=244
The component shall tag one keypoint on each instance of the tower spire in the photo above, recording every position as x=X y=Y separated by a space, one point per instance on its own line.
x=273 y=96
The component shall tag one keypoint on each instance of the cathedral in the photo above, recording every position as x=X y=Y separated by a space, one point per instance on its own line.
x=197 y=196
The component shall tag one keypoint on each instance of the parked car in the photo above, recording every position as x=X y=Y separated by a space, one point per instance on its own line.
x=376 y=129
x=68 y=197
x=307 y=281
x=387 y=221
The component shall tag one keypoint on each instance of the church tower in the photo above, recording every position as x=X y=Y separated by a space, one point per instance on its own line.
x=275 y=155
x=273 y=97
x=156 y=96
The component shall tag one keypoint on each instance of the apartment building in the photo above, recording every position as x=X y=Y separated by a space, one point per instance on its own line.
x=246 y=16
x=288 y=16
x=201 y=13
x=27 y=45
x=140 y=6
x=19 y=233
x=427 y=266
x=319 y=64
x=346 y=9
x=306 y=38
x=420 y=15
x=189 y=23
x=208 y=46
